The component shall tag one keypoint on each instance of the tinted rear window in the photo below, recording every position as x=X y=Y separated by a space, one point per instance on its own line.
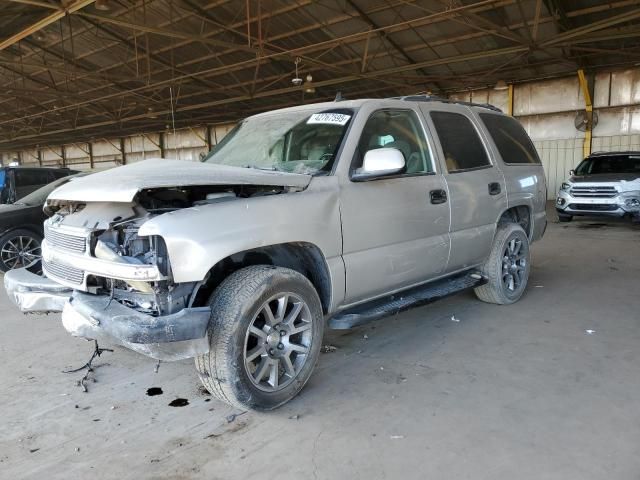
x=512 y=141
x=461 y=145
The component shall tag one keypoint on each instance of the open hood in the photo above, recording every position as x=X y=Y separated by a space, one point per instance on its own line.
x=123 y=183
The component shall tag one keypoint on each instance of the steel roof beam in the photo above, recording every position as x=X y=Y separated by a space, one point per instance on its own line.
x=47 y=20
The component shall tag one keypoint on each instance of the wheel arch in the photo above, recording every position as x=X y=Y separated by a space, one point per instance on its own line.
x=520 y=214
x=30 y=227
x=303 y=257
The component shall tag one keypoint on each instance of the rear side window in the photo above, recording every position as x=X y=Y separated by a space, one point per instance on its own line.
x=512 y=141
x=461 y=145
x=2 y=178
x=26 y=178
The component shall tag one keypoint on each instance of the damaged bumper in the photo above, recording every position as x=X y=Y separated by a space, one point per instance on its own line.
x=34 y=294
x=170 y=337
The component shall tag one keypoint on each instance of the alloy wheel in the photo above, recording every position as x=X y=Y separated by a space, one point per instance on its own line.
x=278 y=342
x=21 y=252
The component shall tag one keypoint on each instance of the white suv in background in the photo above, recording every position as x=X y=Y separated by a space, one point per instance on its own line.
x=605 y=183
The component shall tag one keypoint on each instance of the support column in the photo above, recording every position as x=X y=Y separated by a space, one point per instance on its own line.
x=586 y=147
x=510 y=100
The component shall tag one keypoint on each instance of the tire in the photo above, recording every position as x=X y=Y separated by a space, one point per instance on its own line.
x=240 y=354
x=507 y=267
x=20 y=248
x=562 y=218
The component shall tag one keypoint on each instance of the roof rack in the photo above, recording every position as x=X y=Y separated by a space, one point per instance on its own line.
x=429 y=98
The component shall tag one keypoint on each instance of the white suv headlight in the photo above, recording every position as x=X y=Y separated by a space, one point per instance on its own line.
x=565 y=186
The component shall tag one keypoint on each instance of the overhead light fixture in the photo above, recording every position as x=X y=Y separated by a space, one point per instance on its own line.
x=308 y=86
x=102 y=5
x=297 y=81
x=501 y=85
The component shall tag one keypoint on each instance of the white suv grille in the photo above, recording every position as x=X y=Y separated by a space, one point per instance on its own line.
x=593 y=192
x=64 y=241
x=64 y=272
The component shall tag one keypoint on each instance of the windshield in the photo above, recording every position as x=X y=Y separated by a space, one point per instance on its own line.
x=609 y=164
x=296 y=142
x=40 y=196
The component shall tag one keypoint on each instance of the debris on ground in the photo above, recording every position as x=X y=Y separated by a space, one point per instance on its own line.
x=294 y=417
x=365 y=336
x=328 y=348
x=157 y=367
x=538 y=286
x=97 y=351
x=233 y=416
x=396 y=437
x=454 y=319
x=589 y=332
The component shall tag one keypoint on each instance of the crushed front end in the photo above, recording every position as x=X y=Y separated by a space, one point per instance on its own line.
x=111 y=283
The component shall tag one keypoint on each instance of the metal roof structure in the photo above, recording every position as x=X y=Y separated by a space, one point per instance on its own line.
x=72 y=70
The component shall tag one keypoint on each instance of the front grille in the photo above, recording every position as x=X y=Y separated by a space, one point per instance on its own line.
x=64 y=272
x=64 y=241
x=595 y=191
x=597 y=207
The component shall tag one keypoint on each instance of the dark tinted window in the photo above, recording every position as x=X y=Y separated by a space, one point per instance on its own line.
x=399 y=129
x=60 y=173
x=26 y=178
x=609 y=164
x=512 y=141
x=460 y=142
x=2 y=178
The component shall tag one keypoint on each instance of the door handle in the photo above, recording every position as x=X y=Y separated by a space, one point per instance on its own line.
x=438 y=196
x=494 y=188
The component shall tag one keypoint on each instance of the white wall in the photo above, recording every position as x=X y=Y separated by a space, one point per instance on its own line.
x=185 y=144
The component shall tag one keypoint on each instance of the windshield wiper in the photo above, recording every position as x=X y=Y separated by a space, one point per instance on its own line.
x=268 y=169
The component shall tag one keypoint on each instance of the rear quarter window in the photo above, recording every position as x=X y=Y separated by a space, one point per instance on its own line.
x=512 y=142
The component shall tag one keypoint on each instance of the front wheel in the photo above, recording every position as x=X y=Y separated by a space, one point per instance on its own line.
x=507 y=268
x=20 y=249
x=265 y=335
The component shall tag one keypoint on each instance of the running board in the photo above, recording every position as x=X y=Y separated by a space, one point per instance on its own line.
x=405 y=300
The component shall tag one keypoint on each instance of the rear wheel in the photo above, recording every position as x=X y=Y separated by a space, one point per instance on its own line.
x=265 y=336
x=507 y=267
x=20 y=249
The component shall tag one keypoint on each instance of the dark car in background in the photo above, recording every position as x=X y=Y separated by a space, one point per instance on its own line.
x=21 y=230
x=17 y=182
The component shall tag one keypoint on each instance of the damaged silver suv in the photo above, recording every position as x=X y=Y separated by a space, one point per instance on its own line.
x=334 y=213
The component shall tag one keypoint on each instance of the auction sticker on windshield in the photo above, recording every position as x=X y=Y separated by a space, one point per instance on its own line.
x=329 y=118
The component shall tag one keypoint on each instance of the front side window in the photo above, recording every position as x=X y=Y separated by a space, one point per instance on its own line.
x=399 y=129
x=296 y=142
x=461 y=144
x=511 y=140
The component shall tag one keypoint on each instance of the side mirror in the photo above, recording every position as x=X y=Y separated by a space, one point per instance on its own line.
x=572 y=172
x=379 y=163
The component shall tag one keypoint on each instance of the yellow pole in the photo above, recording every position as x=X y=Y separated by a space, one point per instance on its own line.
x=510 y=105
x=586 y=148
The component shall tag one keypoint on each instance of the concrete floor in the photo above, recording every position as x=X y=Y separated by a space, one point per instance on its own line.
x=507 y=392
